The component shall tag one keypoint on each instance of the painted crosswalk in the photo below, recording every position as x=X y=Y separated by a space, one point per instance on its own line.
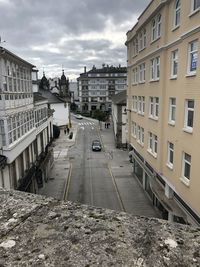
x=86 y=123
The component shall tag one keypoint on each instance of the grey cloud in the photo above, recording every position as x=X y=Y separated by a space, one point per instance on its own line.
x=26 y=24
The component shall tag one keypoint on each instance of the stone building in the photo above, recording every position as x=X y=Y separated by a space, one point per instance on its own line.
x=97 y=86
x=164 y=106
x=26 y=128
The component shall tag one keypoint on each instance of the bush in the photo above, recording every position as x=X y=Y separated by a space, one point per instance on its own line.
x=56 y=131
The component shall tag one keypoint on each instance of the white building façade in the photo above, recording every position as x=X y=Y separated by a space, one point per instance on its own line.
x=26 y=128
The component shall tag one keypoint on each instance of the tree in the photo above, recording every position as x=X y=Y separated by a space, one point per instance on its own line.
x=99 y=115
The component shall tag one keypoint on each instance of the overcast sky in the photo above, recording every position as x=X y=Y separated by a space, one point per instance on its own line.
x=69 y=33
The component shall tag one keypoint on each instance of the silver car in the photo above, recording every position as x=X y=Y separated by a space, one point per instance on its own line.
x=96 y=145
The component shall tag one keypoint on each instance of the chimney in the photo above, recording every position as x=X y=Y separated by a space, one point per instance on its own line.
x=85 y=69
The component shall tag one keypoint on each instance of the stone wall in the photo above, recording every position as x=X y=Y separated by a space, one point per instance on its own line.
x=39 y=231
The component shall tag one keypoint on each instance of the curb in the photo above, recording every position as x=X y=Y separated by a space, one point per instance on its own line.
x=66 y=190
x=117 y=190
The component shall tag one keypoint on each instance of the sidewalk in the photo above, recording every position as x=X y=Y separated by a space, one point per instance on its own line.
x=130 y=191
x=56 y=185
x=131 y=195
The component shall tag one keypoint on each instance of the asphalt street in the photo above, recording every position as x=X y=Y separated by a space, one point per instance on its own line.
x=90 y=181
x=102 y=179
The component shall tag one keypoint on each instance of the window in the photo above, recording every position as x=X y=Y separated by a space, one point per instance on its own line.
x=153 y=37
x=192 y=57
x=134 y=99
x=177 y=13
x=155 y=69
x=158 y=25
x=172 y=111
x=186 y=166
x=152 y=144
x=140 y=135
x=142 y=39
x=195 y=5
x=134 y=129
x=189 y=115
x=156 y=28
x=142 y=73
x=135 y=75
x=153 y=107
x=170 y=155
x=135 y=46
x=174 y=64
x=141 y=104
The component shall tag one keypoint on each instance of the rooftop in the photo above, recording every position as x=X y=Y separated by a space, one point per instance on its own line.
x=106 y=69
x=120 y=98
x=39 y=231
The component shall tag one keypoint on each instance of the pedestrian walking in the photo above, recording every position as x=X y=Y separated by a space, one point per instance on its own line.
x=65 y=131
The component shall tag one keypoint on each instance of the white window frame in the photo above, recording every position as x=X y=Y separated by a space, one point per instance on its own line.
x=158 y=25
x=141 y=105
x=192 y=55
x=135 y=75
x=170 y=155
x=140 y=135
x=153 y=30
x=142 y=71
x=172 y=110
x=152 y=144
x=188 y=110
x=135 y=46
x=156 y=28
x=134 y=103
x=153 y=107
x=177 y=13
x=174 y=64
x=144 y=38
x=195 y=5
x=186 y=161
x=155 y=69
x=134 y=129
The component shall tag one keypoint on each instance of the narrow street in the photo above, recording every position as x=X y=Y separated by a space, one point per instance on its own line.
x=90 y=181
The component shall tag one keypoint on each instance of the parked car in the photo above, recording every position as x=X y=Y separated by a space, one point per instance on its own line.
x=78 y=116
x=96 y=145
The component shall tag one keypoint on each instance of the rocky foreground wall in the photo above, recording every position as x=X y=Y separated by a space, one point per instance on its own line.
x=38 y=231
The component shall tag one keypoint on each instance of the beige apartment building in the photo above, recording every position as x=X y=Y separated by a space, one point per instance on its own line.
x=164 y=106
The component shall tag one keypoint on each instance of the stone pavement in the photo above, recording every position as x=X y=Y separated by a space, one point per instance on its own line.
x=56 y=185
x=131 y=195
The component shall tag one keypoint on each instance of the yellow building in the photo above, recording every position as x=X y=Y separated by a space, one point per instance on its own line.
x=164 y=106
